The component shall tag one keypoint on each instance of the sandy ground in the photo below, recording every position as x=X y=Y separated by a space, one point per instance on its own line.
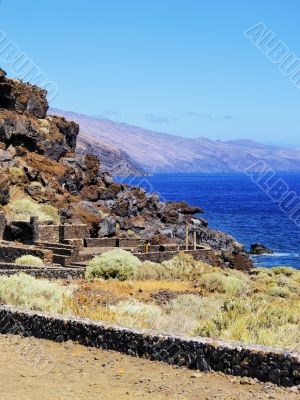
x=34 y=369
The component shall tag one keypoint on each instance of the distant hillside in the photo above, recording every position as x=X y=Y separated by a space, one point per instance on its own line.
x=113 y=159
x=159 y=152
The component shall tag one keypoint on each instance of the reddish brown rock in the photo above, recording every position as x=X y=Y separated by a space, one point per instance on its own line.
x=15 y=95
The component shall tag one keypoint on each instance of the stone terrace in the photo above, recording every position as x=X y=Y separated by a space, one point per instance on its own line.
x=65 y=248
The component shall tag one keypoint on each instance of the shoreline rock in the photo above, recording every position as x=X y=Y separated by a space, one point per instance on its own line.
x=260 y=249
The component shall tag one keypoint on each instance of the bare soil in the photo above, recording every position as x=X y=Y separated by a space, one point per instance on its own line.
x=32 y=369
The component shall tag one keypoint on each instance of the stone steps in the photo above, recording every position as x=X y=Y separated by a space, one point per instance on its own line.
x=63 y=254
x=81 y=264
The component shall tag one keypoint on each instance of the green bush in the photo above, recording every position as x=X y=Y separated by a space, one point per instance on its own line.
x=116 y=264
x=37 y=294
x=30 y=260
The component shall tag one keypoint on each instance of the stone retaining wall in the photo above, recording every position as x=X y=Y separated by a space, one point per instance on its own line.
x=48 y=272
x=59 y=233
x=9 y=253
x=98 y=242
x=267 y=364
x=130 y=242
x=47 y=233
x=114 y=242
x=207 y=256
x=79 y=231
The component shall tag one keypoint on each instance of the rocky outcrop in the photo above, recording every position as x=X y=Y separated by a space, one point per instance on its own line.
x=24 y=122
x=258 y=249
x=39 y=162
x=16 y=96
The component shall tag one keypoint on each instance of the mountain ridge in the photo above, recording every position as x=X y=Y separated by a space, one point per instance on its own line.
x=162 y=152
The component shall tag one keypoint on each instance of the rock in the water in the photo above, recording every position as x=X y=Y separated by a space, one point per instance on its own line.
x=258 y=248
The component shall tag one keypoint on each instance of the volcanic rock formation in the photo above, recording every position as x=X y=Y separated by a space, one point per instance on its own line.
x=38 y=162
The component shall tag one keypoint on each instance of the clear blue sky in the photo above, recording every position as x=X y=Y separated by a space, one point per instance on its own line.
x=182 y=67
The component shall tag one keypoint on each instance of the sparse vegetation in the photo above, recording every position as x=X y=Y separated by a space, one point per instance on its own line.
x=260 y=308
x=37 y=294
x=180 y=296
x=51 y=213
x=182 y=267
x=24 y=209
x=16 y=172
x=116 y=264
x=222 y=282
x=44 y=126
x=30 y=260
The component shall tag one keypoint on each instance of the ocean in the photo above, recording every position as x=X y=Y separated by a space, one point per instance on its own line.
x=235 y=204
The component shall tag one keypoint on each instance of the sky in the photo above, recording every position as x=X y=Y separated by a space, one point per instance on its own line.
x=184 y=67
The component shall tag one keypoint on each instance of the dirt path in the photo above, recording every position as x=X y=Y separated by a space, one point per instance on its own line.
x=34 y=369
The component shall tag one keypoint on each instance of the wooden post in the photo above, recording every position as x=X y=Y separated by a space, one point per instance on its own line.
x=147 y=248
x=195 y=240
x=186 y=235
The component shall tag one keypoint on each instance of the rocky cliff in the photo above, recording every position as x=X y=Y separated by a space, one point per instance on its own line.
x=38 y=165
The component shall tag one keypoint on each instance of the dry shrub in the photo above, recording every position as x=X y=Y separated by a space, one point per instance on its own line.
x=37 y=294
x=30 y=260
x=24 y=209
x=223 y=282
x=115 y=264
x=256 y=320
x=181 y=267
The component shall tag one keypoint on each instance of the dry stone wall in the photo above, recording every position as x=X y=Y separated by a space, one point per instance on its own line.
x=48 y=273
x=206 y=256
x=59 y=233
x=267 y=364
x=9 y=253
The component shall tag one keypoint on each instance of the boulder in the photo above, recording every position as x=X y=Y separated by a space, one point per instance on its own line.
x=258 y=248
x=184 y=208
x=121 y=207
x=90 y=193
x=239 y=260
x=107 y=226
x=107 y=179
x=92 y=167
x=111 y=192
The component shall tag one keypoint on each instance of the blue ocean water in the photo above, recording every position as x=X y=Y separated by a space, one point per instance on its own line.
x=235 y=204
